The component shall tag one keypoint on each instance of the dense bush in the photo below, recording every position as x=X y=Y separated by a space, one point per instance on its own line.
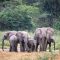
x=29 y=14
x=17 y=18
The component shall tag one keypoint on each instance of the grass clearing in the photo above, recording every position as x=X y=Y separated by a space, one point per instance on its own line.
x=56 y=38
x=28 y=56
x=54 y=55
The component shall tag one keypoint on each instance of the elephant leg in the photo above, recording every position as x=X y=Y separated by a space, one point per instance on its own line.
x=36 y=47
x=10 y=48
x=26 y=46
x=33 y=48
x=21 y=48
x=30 y=49
x=44 y=44
x=49 y=47
x=15 y=46
x=41 y=44
x=52 y=40
x=41 y=47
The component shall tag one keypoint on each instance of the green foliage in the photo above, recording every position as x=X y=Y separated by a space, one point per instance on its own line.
x=17 y=18
x=43 y=58
x=51 y=6
x=38 y=13
x=57 y=25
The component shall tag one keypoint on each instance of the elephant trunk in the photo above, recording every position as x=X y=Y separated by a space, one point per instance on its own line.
x=3 y=44
x=54 y=45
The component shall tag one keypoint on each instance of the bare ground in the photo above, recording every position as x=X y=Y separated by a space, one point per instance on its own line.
x=5 y=55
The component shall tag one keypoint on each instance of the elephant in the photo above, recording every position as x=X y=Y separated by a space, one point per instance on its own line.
x=13 y=43
x=31 y=45
x=40 y=37
x=43 y=36
x=11 y=36
x=49 y=43
x=23 y=37
x=50 y=32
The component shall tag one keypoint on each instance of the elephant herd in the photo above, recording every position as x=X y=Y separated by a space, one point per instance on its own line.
x=42 y=37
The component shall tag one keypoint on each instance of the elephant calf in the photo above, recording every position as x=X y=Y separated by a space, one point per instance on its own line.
x=11 y=36
x=13 y=43
x=31 y=45
x=49 y=43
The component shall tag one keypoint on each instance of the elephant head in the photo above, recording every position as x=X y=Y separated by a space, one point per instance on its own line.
x=6 y=36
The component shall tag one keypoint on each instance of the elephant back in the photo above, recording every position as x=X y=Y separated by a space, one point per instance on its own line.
x=22 y=35
x=50 y=32
x=43 y=30
x=12 y=33
x=13 y=37
x=37 y=33
x=40 y=32
x=25 y=36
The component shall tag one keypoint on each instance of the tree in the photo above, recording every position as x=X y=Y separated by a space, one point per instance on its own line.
x=51 y=6
x=18 y=18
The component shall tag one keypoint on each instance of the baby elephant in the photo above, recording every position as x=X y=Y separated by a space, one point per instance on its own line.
x=31 y=45
x=51 y=40
x=12 y=38
x=13 y=43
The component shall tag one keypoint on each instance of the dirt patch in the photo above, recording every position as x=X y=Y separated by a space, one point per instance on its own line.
x=26 y=56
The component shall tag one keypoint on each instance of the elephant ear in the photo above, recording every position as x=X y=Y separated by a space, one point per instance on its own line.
x=7 y=34
x=50 y=31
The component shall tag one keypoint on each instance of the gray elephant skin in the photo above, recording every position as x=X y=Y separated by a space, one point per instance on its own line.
x=23 y=37
x=43 y=36
x=11 y=36
x=50 y=39
x=31 y=45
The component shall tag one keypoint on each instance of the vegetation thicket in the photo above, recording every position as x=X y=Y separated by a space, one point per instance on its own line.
x=29 y=14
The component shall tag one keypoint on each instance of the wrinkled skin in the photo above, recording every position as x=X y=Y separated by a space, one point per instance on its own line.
x=13 y=43
x=44 y=37
x=7 y=36
x=23 y=37
x=31 y=45
x=40 y=37
x=49 y=43
x=50 y=32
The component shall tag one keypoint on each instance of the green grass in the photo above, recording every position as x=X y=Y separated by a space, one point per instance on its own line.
x=6 y=41
x=43 y=58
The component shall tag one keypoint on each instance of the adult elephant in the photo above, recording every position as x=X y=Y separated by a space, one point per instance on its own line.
x=44 y=37
x=23 y=37
x=40 y=37
x=11 y=36
x=49 y=37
